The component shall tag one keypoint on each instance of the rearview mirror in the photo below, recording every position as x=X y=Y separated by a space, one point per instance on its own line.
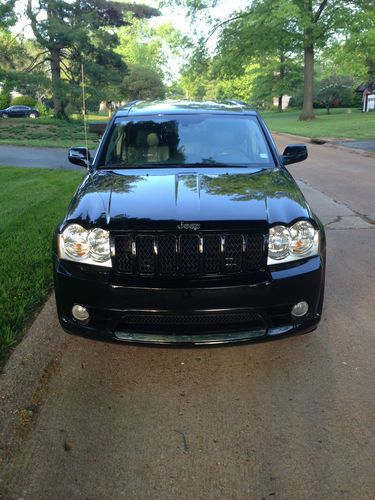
x=79 y=156
x=294 y=153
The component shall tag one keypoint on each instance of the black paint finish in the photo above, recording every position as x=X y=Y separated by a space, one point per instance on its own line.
x=172 y=199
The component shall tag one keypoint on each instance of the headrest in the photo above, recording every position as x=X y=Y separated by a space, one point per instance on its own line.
x=153 y=139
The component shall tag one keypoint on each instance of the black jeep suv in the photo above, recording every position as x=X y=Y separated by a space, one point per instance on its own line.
x=188 y=228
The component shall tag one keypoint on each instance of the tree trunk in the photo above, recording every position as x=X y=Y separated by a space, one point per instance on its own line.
x=56 y=81
x=282 y=77
x=307 y=111
x=280 y=104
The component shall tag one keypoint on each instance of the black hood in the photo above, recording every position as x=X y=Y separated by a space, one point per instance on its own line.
x=125 y=199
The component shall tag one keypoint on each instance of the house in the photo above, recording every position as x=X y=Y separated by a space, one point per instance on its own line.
x=284 y=101
x=368 y=96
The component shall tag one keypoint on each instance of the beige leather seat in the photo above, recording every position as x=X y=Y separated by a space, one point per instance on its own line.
x=155 y=152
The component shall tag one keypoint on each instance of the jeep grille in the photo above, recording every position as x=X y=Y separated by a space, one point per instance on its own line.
x=189 y=254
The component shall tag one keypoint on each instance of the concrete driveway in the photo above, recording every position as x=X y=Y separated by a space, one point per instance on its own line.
x=288 y=419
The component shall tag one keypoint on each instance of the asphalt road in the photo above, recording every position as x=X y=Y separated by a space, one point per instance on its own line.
x=20 y=156
x=367 y=145
x=288 y=419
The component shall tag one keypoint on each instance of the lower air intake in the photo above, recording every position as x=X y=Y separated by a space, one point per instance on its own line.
x=192 y=323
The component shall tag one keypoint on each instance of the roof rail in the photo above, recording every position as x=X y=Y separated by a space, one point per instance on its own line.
x=238 y=103
x=130 y=104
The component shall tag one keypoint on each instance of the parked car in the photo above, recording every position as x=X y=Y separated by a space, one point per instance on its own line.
x=19 y=112
x=188 y=228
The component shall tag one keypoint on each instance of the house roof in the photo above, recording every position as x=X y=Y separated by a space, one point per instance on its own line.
x=370 y=86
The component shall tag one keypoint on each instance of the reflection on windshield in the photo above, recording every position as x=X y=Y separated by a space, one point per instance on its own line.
x=192 y=140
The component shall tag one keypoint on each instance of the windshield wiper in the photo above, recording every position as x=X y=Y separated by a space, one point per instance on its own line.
x=204 y=164
x=138 y=165
x=214 y=164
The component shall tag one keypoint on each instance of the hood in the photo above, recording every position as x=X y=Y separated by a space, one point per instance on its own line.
x=126 y=199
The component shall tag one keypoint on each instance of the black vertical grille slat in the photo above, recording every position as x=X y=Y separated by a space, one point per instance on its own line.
x=233 y=248
x=167 y=254
x=254 y=252
x=189 y=254
x=212 y=254
x=123 y=246
x=145 y=254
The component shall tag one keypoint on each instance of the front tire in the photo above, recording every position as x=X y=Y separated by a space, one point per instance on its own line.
x=4 y=115
x=32 y=115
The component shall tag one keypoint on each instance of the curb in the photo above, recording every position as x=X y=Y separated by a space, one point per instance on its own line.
x=326 y=143
x=25 y=377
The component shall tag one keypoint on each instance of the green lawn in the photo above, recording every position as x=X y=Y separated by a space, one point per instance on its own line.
x=341 y=124
x=45 y=132
x=32 y=201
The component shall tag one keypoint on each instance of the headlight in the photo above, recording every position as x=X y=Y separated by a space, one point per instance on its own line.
x=279 y=242
x=99 y=244
x=292 y=243
x=75 y=241
x=80 y=245
x=302 y=238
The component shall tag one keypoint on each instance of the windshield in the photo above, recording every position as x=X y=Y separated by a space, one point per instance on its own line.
x=188 y=140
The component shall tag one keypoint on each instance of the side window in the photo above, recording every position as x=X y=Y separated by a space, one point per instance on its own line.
x=257 y=143
x=114 y=151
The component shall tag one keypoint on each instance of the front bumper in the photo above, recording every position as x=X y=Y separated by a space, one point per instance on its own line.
x=263 y=305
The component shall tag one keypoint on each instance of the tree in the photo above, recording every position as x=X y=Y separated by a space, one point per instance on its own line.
x=15 y=56
x=263 y=36
x=7 y=19
x=333 y=89
x=156 y=47
x=195 y=73
x=142 y=83
x=70 y=32
x=355 y=55
x=316 y=21
x=308 y=24
x=7 y=14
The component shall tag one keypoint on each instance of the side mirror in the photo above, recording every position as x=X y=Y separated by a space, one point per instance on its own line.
x=294 y=153
x=79 y=156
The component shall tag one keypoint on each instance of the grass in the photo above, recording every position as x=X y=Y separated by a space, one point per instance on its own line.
x=32 y=201
x=46 y=132
x=341 y=124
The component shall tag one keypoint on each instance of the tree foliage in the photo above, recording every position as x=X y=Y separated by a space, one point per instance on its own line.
x=7 y=14
x=71 y=33
x=282 y=37
x=355 y=55
x=142 y=83
x=150 y=46
x=334 y=89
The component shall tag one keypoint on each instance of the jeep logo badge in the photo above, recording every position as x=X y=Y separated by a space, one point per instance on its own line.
x=184 y=225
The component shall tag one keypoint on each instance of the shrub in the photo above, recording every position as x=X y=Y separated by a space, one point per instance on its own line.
x=24 y=100
x=4 y=100
x=43 y=110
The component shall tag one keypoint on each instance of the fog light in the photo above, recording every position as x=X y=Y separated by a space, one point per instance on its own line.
x=300 y=309
x=80 y=313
